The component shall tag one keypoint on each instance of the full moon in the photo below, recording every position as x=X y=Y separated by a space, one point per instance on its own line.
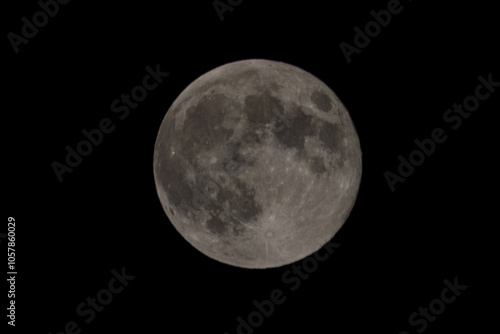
x=257 y=164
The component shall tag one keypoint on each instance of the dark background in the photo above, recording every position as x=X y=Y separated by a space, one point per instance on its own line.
x=396 y=247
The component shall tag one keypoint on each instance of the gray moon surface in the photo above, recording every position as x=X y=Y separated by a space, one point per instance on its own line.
x=257 y=164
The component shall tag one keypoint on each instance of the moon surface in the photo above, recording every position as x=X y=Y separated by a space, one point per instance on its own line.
x=257 y=164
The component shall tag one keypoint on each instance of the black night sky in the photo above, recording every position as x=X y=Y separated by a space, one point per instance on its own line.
x=103 y=227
